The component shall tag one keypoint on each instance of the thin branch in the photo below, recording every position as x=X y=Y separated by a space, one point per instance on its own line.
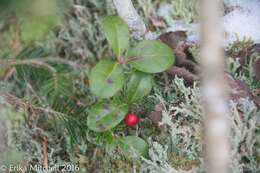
x=39 y=61
x=61 y=61
x=20 y=103
x=214 y=89
x=45 y=153
x=30 y=62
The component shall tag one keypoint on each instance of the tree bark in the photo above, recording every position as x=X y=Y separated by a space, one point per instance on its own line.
x=214 y=89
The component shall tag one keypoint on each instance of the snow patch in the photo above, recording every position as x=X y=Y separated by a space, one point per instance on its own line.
x=242 y=21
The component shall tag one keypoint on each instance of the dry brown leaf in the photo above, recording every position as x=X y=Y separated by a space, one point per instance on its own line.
x=184 y=73
x=184 y=66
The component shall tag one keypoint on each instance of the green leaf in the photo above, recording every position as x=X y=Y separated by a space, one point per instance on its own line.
x=104 y=116
x=117 y=33
x=106 y=78
x=152 y=56
x=133 y=146
x=139 y=85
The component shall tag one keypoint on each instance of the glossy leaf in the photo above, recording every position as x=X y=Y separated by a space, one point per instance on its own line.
x=104 y=116
x=117 y=33
x=133 y=146
x=106 y=78
x=152 y=56
x=139 y=85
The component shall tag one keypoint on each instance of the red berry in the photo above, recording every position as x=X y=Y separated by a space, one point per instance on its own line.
x=131 y=119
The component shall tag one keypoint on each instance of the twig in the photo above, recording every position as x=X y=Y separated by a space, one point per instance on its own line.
x=31 y=62
x=45 y=153
x=214 y=89
x=39 y=62
x=15 y=101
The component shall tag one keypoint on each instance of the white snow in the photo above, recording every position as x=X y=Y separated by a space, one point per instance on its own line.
x=191 y=29
x=165 y=10
x=243 y=21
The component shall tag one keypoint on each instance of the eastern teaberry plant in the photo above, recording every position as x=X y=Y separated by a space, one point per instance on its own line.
x=109 y=76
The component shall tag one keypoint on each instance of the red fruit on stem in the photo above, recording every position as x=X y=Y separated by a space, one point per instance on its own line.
x=131 y=119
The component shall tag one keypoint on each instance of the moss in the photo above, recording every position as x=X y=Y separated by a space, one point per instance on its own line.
x=183 y=163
